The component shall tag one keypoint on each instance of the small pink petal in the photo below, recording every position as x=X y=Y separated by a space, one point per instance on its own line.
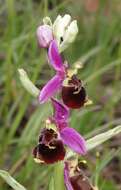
x=61 y=112
x=73 y=139
x=61 y=125
x=54 y=57
x=50 y=88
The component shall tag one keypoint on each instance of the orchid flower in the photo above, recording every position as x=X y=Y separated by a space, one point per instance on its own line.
x=75 y=178
x=57 y=133
x=62 y=30
x=73 y=92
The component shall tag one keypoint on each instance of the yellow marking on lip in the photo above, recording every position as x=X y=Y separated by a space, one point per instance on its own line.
x=37 y=160
x=76 y=92
x=51 y=126
x=51 y=147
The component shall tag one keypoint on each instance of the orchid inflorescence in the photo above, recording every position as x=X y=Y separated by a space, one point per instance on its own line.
x=55 y=38
x=57 y=137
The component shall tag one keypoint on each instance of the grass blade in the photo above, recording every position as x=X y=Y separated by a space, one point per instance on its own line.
x=11 y=181
x=101 y=138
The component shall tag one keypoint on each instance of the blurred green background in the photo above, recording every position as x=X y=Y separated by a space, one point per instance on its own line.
x=97 y=47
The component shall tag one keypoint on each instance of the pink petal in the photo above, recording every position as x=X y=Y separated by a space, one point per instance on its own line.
x=50 y=88
x=61 y=112
x=61 y=125
x=67 y=178
x=73 y=139
x=54 y=57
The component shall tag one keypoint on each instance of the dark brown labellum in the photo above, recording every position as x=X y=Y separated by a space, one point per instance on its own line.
x=77 y=177
x=50 y=149
x=81 y=182
x=74 y=94
x=49 y=154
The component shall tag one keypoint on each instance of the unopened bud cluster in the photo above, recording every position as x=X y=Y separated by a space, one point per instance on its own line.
x=63 y=30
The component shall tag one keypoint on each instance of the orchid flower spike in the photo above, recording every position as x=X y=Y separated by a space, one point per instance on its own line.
x=63 y=31
x=57 y=133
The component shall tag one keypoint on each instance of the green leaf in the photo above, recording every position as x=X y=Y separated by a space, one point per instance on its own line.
x=11 y=181
x=101 y=138
x=27 y=83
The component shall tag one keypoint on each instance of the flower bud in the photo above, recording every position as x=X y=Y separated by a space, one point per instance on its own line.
x=44 y=35
x=58 y=29
x=60 y=25
x=64 y=31
x=71 y=32
x=70 y=35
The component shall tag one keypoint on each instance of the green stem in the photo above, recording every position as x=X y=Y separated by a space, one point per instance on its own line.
x=59 y=176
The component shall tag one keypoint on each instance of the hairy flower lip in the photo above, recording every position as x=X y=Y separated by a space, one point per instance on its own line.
x=49 y=154
x=50 y=148
x=47 y=135
x=73 y=93
x=74 y=98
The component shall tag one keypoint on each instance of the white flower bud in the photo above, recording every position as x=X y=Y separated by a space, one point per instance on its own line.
x=64 y=31
x=66 y=21
x=56 y=28
x=60 y=26
x=71 y=32
x=69 y=36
